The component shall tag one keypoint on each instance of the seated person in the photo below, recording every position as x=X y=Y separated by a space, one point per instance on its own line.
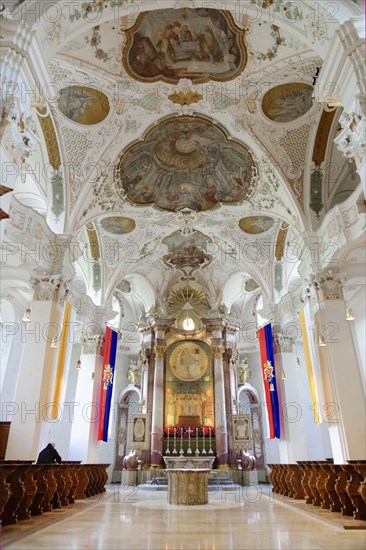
x=49 y=455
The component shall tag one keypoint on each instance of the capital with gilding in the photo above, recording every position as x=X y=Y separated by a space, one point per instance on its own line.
x=218 y=351
x=159 y=351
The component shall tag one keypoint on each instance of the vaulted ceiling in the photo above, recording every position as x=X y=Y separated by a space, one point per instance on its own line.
x=185 y=142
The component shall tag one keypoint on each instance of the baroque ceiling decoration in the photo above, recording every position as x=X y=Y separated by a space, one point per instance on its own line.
x=118 y=225
x=174 y=94
x=288 y=102
x=187 y=252
x=256 y=224
x=186 y=162
x=83 y=105
x=169 y=44
x=191 y=298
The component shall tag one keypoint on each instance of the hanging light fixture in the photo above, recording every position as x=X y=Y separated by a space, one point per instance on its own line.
x=26 y=317
x=297 y=364
x=321 y=341
x=349 y=314
x=54 y=343
x=78 y=365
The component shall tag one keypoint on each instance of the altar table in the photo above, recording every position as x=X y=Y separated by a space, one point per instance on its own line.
x=189 y=487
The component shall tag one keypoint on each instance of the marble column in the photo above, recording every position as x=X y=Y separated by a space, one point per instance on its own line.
x=157 y=422
x=30 y=412
x=344 y=410
x=222 y=453
x=85 y=412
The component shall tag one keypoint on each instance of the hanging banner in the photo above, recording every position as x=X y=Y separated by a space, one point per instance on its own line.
x=269 y=380
x=106 y=389
x=312 y=362
x=60 y=370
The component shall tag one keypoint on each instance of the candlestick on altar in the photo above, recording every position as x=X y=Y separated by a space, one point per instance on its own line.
x=203 y=444
x=167 y=448
x=175 y=438
x=210 y=451
x=189 y=450
x=181 y=452
x=197 y=449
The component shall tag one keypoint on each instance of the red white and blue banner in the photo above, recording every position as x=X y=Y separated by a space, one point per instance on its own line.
x=109 y=360
x=269 y=380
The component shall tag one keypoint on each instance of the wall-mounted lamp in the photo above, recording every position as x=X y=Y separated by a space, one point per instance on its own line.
x=78 y=365
x=349 y=314
x=321 y=341
x=54 y=343
x=297 y=364
x=26 y=317
x=283 y=375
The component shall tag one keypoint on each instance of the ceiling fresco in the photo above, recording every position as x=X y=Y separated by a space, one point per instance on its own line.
x=256 y=224
x=83 y=105
x=169 y=44
x=118 y=225
x=186 y=162
x=187 y=252
x=288 y=102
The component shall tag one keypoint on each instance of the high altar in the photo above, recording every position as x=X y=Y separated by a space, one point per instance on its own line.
x=189 y=387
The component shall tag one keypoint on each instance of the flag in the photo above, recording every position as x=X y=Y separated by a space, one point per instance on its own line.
x=106 y=388
x=269 y=380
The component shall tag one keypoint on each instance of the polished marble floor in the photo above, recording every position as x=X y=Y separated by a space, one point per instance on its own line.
x=135 y=519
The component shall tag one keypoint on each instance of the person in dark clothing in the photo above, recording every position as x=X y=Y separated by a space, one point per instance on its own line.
x=49 y=455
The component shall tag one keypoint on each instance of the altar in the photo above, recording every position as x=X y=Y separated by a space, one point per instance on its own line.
x=188 y=463
x=188 y=479
x=189 y=487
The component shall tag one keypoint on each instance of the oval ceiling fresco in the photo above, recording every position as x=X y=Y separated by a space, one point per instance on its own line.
x=250 y=285
x=83 y=105
x=118 y=225
x=256 y=224
x=199 y=44
x=287 y=102
x=186 y=162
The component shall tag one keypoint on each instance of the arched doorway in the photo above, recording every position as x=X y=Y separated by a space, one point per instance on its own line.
x=249 y=404
x=129 y=401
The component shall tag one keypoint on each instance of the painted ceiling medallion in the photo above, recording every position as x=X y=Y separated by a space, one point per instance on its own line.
x=187 y=252
x=200 y=44
x=250 y=285
x=186 y=162
x=83 y=105
x=118 y=225
x=256 y=224
x=287 y=102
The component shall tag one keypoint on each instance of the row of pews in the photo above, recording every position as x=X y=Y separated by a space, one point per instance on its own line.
x=28 y=489
x=335 y=487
